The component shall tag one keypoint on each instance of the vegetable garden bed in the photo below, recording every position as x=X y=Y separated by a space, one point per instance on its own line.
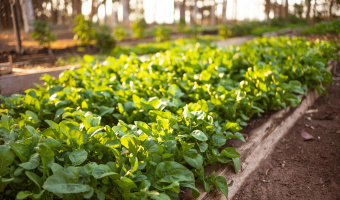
x=137 y=130
x=23 y=79
x=260 y=144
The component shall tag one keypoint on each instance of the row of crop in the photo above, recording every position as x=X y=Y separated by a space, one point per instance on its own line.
x=138 y=130
x=144 y=49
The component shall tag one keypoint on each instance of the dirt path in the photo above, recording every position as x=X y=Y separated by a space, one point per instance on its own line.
x=299 y=169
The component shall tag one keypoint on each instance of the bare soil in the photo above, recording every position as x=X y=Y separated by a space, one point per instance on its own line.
x=299 y=169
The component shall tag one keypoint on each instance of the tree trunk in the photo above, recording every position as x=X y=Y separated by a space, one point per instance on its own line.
x=314 y=9
x=182 y=11
x=224 y=11
x=27 y=15
x=76 y=7
x=115 y=21
x=193 y=13
x=94 y=8
x=105 y=16
x=330 y=8
x=126 y=12
x=212 y=14
x=308 y=9
x=267 y=8
x=16 y=26
x=286 y=8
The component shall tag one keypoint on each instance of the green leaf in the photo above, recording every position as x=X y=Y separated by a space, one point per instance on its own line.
x=240 y=136
x=144 y=127
x=6 y=159
x=236 y=162
x=175 y=91
x=203 y=146
x=102 y=171
x=159 y=196
x=100 y=195
x=37 y=196
x=199 y=135
x=46 y=154
x=194 y=159
x=23 y=195
x=221 y=184
x=35 y=178
x=218 y=140
x=89 y=194
x=129 y=143
x=32 y=163
x=21 y=151
x=230 y=152
x=52 y=124
x=77 y=157
x=58 y=184
x=76 y=138
x=55 y=167
x=32 y=115
x=89 y=167
x=170 y=171
x=234 y=127
x=125 y=183
x=174 y=187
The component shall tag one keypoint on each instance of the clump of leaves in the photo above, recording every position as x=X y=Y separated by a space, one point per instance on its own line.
x=224 y=31
x=138 y=28
x=323 y=28
x=162 y=33
x=104 y=40
x=43 y=33
x=84 y=30
x=193 y=30
x=120 y=32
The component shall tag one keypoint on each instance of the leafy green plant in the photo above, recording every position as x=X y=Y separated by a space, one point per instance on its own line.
x=43 y=33
x=138 y=28
x=241 y=29
x=104 y=39
x=84 y=30
x=120 y=33
x=133 y=129
x=162 y=33
x=154 y=47
x=224 y=31
x=323 y=28
x=193 y=30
